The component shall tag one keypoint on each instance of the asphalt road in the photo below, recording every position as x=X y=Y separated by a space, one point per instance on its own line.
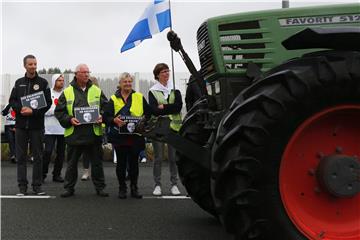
x=87 y=216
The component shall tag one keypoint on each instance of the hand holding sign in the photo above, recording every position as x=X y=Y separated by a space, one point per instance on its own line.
x=118 y=122
x=74 y=122
x=26 y=111
x=99 y=120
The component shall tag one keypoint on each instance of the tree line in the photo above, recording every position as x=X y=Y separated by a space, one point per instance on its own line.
x=53 y=71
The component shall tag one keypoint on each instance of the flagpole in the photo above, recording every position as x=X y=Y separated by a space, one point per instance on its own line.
x=172 y=51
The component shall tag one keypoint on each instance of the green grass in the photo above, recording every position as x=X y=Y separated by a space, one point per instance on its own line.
x=4 y=152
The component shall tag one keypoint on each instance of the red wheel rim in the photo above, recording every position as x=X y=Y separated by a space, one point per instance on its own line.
x=314 y=212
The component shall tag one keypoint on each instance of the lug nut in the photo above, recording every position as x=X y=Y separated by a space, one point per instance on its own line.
x=311 y=172
x=317 y=190
x=320 y=155
x=339 y=149
x=321 y=234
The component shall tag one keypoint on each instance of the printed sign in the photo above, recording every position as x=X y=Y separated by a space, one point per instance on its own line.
x=320 y=20
x=130 y=126
x=86 y=115
x=34 y=101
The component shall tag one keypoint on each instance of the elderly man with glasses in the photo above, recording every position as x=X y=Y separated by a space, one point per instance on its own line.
x=82 y=138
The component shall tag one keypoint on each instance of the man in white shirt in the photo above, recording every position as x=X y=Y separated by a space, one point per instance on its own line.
x=54 y=133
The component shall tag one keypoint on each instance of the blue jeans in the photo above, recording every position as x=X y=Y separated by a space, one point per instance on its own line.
x=142 y=154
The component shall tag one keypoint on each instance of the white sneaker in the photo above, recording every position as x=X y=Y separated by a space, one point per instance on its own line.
x=143 y=160
x=86 y=175
x=115 y=158
x=174 y=190
x=157 y=191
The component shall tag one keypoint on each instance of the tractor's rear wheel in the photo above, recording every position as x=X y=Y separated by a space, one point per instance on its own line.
x=280 y=145
x=194 y=176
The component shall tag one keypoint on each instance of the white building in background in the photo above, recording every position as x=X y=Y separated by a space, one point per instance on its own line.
x=107 y=81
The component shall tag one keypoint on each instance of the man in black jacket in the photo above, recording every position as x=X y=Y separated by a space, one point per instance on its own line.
x=82 y=138
x=29 y=124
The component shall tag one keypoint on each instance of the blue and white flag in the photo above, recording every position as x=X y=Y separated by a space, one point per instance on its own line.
x=155 y=19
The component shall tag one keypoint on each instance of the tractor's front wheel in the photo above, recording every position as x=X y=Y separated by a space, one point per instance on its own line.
x=287 y=153
x=194 y=176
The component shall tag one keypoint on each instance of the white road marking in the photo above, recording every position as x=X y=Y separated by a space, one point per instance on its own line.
x=27 y=196
x=166 y=197
x=51 y=197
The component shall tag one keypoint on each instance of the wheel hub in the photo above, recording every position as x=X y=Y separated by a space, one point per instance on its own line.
x=319 y=175
x=339 y=175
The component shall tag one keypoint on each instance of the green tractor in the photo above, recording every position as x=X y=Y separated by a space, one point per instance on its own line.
x=272 y=146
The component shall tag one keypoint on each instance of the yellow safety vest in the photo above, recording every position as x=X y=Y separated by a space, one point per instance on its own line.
x=93 y=99
x=136 y=109
x=176 y=121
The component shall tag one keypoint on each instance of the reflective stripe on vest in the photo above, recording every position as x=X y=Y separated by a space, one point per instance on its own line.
x=176 y=121
x=93 y=99
x=136 y=108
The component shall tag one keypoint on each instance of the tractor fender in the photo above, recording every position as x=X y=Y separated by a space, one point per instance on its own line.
x=344 y=38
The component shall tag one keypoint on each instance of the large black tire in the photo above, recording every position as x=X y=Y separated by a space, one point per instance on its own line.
x=195 y=177
x=252 y=137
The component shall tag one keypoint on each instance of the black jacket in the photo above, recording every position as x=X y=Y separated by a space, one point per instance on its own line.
x=168 y=108
x=83 y=134
x=25 y=86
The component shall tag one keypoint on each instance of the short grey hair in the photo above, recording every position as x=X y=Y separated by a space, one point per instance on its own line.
x=126 y=75
x=79 y=66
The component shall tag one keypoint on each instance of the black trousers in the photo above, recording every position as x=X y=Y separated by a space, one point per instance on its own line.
x=22 y=138
x=127 y=156
x=50 y=141
x=10 y=133
x=94 y=153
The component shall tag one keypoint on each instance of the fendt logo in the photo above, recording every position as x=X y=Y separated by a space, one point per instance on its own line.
x=319 y=20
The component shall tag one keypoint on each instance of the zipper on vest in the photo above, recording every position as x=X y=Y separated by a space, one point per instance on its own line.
x=27 y=93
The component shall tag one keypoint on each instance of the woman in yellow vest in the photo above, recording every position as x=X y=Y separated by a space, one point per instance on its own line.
x=163 y=96
x=126 y=103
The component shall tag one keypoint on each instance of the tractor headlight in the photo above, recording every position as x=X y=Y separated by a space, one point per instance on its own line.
x=208 y=88
x=217 y=87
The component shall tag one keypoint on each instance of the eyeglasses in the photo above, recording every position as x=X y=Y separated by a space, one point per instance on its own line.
x=85 y=72
x=165 y=71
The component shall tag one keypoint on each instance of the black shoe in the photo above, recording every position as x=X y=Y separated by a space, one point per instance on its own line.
x=122 y=194
x=101 y=193
x=135 y=193
x=13 y=159
x=22 y=191
x=58 y=179
x=38 y=191
x=67 y=194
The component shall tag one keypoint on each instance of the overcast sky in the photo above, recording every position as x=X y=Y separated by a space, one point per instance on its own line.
x=65 y=33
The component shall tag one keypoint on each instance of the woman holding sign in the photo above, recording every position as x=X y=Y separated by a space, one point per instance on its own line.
x=125 y=108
